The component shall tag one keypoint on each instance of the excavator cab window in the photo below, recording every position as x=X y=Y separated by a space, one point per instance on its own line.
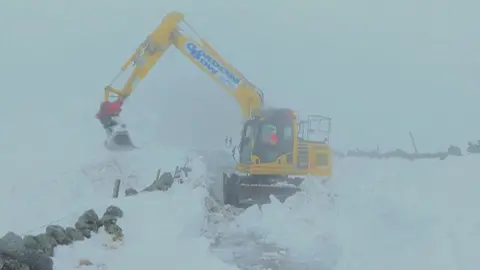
x=275 y=138
x=269 y=134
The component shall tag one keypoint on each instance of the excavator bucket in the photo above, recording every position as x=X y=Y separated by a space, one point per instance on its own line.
x=245 y=190
x=118 y=139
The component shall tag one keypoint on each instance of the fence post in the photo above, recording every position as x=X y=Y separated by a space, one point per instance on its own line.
x=413 y=143
x=116 y=188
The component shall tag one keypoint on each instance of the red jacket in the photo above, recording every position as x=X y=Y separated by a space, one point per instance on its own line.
x=108 y=109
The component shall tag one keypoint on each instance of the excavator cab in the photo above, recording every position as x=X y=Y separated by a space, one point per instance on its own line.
x=267 y=138
x=266 y=152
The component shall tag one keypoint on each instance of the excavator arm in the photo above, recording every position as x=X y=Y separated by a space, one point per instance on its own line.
x=267 y=165
x=170 y=32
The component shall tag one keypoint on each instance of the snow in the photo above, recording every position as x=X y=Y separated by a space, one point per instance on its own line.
x=161 y=230
x=166 y=226
x=57 y=56
x=379 y=214
x=373 y=214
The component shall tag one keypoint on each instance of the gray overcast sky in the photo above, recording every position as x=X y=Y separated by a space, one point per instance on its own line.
x=379 y=68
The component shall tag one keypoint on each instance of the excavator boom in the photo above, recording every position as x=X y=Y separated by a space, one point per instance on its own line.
x=199 y=52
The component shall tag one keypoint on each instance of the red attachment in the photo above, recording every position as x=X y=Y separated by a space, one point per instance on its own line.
x=108 y=108
x=114 y=108
x=274 y=138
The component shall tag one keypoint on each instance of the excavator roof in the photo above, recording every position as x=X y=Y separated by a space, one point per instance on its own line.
x=278 y=112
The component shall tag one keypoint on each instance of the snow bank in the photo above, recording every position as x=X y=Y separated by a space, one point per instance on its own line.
x=161 y=230
x=38 y=201
x=379 y=214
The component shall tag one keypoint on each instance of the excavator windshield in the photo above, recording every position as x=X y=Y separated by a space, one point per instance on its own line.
x=267 y=138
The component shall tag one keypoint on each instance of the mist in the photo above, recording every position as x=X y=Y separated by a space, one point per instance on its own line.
x=379 y=68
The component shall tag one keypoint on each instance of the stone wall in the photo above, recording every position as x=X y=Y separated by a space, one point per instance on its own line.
x=34 y=252
x=453 y=150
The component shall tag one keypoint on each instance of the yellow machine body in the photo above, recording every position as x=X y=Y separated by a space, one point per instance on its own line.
x=301 y=156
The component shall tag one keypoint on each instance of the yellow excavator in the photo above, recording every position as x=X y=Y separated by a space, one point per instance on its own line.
x=277 y=150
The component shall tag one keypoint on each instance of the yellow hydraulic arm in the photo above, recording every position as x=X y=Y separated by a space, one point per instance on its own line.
x=248 y=96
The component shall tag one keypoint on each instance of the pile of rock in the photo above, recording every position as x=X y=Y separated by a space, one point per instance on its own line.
x=34 y=252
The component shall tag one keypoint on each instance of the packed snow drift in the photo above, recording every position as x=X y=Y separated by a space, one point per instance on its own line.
x=375 y=214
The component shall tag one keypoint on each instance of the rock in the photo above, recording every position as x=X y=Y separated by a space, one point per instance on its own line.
x=73 y=234
x=47 y=243
x=113 y=211
x=85 y=232
x=35 y=261
x=12 y=245
x=108 y=219
x=15 y=254
x=35 y=252
x=7 y=263
x=131 y=192
x=114 y=230
x=89 y=221
x=30 y=242
x=84 y=262
x=454 y=150
x=58 y=233
x=163 y=183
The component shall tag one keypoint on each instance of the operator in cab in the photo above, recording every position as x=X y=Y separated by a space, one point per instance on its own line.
x=109 y=110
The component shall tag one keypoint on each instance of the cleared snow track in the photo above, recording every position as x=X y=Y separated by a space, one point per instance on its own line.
x=373 y=214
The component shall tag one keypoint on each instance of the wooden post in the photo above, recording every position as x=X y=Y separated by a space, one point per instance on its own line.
x=413 y=143
x=116 y=188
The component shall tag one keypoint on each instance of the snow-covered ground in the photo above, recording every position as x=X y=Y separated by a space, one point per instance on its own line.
x=374 y=214
x=161 y=230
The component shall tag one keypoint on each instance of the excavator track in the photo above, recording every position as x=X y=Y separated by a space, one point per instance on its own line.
x=245 y=190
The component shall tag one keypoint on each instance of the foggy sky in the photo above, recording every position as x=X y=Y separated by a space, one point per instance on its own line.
x=378 y=68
